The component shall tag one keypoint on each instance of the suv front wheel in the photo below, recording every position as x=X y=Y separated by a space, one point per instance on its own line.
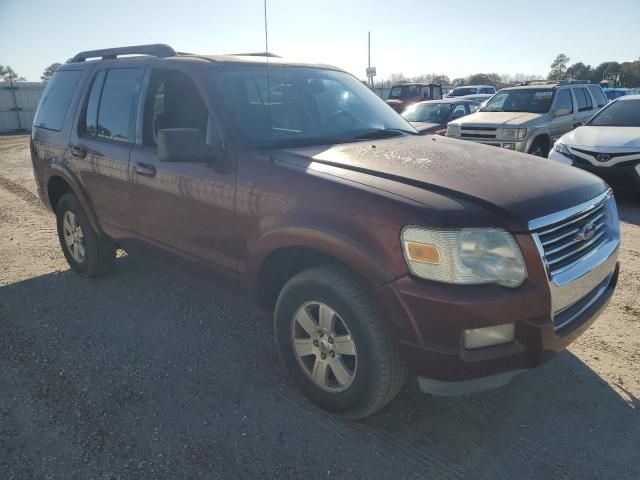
x=334 y=343
x=539 y=147
x=88 y=252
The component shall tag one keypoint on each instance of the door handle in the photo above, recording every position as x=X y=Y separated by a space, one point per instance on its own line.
x=145 y=169
x=78 y=151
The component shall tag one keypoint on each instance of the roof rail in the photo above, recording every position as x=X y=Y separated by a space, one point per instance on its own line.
x=538 y=82
x=156 y=50
x=258 y=54
x=573 y=81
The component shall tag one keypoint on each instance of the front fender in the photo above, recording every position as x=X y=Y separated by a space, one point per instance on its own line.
x=364 y=260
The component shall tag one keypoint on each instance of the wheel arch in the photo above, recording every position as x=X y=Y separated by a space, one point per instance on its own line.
x=62 y=181
x=278 y=256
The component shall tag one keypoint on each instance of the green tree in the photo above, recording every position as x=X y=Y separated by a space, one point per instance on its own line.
x=579 y=71
x=49 y=71
x=559 y=68
x=8 y=74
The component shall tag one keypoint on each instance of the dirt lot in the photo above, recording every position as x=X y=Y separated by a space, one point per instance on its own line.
x=149 y=373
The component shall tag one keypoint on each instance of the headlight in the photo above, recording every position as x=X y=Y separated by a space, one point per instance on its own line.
x=453 y=130
x=561 y=148
x=513 y=133
x=468 y=256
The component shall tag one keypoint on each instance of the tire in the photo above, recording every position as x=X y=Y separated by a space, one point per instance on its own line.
x=539 y=148
x=96 y=254
x=376 y=370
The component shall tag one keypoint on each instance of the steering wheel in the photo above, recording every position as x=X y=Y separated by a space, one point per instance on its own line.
x=340 y=119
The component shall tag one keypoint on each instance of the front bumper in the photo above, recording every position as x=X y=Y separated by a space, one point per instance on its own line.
x=517 y=146
x=431 y=318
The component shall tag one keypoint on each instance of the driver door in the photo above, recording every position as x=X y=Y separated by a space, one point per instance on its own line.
x=184 y=207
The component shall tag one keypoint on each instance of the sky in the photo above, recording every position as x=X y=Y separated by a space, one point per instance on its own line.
x=407 y=36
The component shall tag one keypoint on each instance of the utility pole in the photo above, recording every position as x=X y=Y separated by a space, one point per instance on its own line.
x=371 y=72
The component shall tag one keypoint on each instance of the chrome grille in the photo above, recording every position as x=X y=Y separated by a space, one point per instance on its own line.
x=570 y=240
x=468 y=131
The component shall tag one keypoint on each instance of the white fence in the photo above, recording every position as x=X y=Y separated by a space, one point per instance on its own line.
x=18 y=104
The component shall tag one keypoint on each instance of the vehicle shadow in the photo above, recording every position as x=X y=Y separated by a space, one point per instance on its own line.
x=151 y=373
x=628 y=206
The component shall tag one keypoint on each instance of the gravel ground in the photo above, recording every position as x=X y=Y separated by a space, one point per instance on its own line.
x=149 y=373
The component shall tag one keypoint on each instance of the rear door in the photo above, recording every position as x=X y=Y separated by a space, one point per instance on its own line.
x=585 y=104
x=184 y=207
x=101 y=145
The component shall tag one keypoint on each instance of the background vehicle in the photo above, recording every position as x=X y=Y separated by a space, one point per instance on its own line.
x=433 y=116
x=380 y=251
x=607 y=145
x=613 y=93
x=471 y=90
x=403 y=95
x=529 y=118
x=478 y=97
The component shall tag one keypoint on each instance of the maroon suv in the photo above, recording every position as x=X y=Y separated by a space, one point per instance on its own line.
x=380 y=250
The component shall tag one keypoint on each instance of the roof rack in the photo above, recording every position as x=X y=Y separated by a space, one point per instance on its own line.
x=573 y=81
x=156 y=50
x=257 y=54
x=554 y=82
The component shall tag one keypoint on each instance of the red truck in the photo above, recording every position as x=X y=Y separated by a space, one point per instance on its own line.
x=405 y=94
x=379 y=250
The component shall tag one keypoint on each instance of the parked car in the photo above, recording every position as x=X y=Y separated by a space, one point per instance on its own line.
x=471 y=90
x=433 y=116
x=613 y=93
x=607 y=145
x=529 y=118
x=403 y=95
x=380 y=251
x=478 y=97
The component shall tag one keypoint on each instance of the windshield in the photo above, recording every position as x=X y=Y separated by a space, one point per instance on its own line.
x=400 y=91
x=428 y=112
x=461 y=91
x=618 y=114
x=525 y=100
x=303 y=106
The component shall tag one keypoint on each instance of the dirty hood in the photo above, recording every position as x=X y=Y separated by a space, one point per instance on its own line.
x=511 y=186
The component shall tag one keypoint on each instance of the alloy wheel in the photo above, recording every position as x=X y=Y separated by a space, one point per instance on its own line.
x=324 y=347
x=73 y=236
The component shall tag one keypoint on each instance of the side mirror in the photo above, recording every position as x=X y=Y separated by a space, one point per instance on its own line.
x=560 y=112
x=183 y=145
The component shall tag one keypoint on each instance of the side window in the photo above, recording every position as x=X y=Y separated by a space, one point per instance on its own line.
x=598 y=94
x=584 y=100
x=458 y=111
x=426 y=92
x=487 y=90
x=564 y=100
x=56 y=99
x=118 y=102
x=89 y=124
x=173 y=101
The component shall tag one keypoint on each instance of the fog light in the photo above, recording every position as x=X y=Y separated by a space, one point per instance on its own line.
x=509 y=146
x=489 y=336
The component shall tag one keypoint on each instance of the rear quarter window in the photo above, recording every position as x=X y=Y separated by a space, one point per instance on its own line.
x=598 y=94
x=56 y=99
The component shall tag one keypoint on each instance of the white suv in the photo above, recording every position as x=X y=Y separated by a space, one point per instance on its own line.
x=530 y=117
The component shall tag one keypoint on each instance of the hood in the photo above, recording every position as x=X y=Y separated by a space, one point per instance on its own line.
x=424 y=127
x=610 y=138
x=499 y=118
x=510 y=188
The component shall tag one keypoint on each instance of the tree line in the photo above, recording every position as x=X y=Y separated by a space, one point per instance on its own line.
x=629 y=71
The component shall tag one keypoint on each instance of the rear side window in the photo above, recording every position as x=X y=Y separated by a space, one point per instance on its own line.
x=56 y=99
x=584 y=99
x=564 y=100
x=90 y=124
x=118 y=102
x=598 y=94
x=487 y=90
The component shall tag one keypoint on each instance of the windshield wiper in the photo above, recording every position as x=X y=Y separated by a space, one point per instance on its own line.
x=379 y=133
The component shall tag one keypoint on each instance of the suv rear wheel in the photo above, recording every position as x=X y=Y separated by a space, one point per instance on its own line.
x=334 y=343
x=88 y=252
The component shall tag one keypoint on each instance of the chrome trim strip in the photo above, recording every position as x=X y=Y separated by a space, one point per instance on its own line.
x=603 y=288
x=552 y=218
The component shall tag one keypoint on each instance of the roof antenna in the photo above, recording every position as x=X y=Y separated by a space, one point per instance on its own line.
x=266 y=51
